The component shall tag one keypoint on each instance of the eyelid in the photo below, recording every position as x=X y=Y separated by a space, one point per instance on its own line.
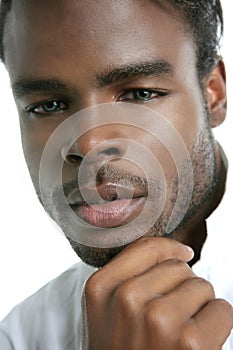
x=160 y=92
x=31 y=108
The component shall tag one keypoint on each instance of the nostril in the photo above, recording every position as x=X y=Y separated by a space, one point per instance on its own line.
x=73 y=159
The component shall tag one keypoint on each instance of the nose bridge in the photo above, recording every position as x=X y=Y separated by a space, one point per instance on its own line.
x=98 y=144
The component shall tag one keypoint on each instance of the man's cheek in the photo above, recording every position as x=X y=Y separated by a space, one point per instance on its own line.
x=35 y=135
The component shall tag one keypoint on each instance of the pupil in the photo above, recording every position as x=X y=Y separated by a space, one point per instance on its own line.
x=51 y=105
x=143 y=94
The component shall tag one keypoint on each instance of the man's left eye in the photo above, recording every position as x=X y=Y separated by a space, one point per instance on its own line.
x=142 y=95
x=47 y=107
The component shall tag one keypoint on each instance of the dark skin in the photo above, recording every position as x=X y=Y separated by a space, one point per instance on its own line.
x=147 y=297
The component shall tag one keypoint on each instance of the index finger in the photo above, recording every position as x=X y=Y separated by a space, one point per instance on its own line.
x=140 y=256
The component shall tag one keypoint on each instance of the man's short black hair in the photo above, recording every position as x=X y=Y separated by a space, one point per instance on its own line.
x=204 y=20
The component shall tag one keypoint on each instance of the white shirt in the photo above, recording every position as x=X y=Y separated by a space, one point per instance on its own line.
x=49 y=319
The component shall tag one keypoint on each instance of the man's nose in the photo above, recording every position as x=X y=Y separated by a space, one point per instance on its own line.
x=99 y=145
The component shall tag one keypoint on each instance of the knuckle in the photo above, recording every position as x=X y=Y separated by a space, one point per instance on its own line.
x=181 y=267
x=158 y=317
x=126 y=296
x=152 y=242
x=188 y=339
x=225 y=305
x=150 y=318
x=93 y=288
x=145 y=243
x=227 y=309
x=141 y=241
x=206 y=286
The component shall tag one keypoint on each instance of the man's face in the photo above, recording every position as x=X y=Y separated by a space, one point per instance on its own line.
x=65 y=56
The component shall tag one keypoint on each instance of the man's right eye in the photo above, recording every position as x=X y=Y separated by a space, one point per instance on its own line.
x=47 y=107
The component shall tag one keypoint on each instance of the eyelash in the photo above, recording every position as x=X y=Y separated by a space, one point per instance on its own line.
x=136 y=99
x=32 y=109
x=158 y=93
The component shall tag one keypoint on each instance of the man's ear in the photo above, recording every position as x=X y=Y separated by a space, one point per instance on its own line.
x=215 y=93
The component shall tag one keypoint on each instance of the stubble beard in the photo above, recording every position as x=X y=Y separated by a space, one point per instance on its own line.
x=204 y=180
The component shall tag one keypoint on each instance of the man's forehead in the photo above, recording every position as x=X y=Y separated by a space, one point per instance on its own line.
x=104 y=8
x=49 y=34
x=57 y=5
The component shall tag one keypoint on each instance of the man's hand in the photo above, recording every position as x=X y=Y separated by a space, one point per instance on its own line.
x=148 y=298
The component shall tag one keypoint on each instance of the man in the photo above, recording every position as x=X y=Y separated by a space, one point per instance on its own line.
x=113 y=98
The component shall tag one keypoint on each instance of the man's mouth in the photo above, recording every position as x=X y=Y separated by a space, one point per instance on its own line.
x=108 y=205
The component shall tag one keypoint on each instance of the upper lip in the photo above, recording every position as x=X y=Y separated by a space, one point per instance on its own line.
x=107 y=191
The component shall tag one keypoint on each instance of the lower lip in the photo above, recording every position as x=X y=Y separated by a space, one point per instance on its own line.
x=111 y=214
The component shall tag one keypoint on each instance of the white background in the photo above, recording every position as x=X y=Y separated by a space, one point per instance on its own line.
x=32 y=251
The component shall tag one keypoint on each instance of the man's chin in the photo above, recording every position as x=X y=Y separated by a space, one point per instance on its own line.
x=96 y=257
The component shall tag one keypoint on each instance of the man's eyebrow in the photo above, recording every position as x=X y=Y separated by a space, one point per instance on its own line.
x=155 y=68
x=31 y=86
x=132 y=71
